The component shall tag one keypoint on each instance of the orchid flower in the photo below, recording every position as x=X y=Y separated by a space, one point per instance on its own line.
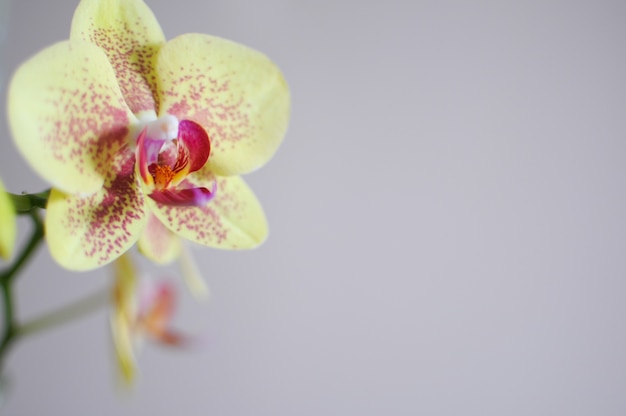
x=143 y=140
x=133 y=319
x=7 y=224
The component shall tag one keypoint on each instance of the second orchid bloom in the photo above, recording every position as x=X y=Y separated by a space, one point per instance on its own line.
x=141 y=309
x=144 y=140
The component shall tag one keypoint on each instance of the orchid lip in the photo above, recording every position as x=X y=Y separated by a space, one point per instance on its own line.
x=191 y=197
x=164 y=160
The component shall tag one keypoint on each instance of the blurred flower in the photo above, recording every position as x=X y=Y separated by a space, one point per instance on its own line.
x=7 y=224
x=140 y=309
x=137 y=135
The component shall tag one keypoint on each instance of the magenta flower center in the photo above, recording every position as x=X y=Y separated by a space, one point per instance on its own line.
x=162 y=175
x=164 y=164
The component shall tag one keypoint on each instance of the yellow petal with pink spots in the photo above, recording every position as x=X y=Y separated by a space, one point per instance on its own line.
x=131 y=36
x=84 y=233
x=235 y=93
x=158 y=243
x=233 y=219
x=67 y=115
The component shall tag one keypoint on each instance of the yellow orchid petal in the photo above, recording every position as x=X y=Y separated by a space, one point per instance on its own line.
x=237 y=94
x=131 y=36
x=123 y=315
x=158 y=243
x=7 y=224
x=192 y=276
x=68 y=116
x=87 y=232
x=233 y=219
x=123 y=342
x=125 y=286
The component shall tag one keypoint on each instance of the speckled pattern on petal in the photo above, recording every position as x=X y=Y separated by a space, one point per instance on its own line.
x=67 y=115
x=235 y=93
x=233 y=219
x=158 y=243
x=130 y=35
x=85 y=233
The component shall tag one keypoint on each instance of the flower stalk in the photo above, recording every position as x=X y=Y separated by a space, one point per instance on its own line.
x=30 y=204
x=7 y=277
x=26 y=203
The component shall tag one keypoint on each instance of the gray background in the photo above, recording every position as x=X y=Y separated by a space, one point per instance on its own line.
x=447 y=220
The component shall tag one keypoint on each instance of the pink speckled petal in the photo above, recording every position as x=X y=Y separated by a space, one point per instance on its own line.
x=190 y=197
x=67 y=115
x=158 y=243
x=193 y=137
x=236 y=94
x=234 y=219
x=131 y=36
x=85 y=233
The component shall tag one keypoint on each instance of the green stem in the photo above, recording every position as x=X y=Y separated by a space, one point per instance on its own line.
x=9 y=318
x=6 y=281
x=65 y=314
x=29 y=205
x=25 y=203
x=35 y=239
